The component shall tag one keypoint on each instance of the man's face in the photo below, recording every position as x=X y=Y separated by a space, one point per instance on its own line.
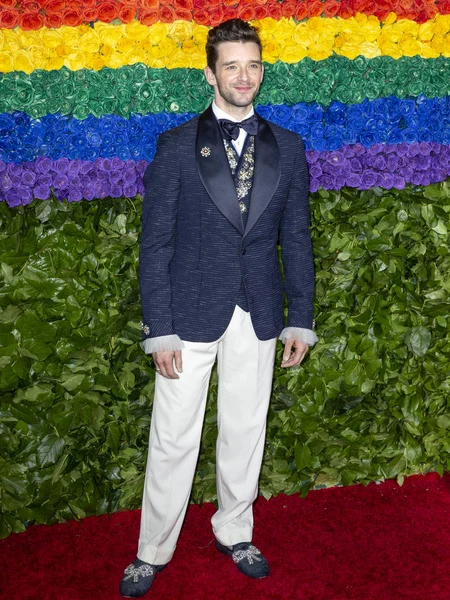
x=238 y=76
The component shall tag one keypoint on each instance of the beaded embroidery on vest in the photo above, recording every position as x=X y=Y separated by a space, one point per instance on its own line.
x=243 y=179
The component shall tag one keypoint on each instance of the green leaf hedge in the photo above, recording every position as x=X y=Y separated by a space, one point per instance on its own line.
x=371 y=401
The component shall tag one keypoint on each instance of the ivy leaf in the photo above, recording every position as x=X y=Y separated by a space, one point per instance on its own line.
x=420 y=340
x=4 y=529
x=50 y=449
x=25 y=414
x=305 y=486
x=440 y=228
x=35 y=349
x=353 y=373
x=59 y=468
x=44 y=210
x=9 y=314
x=395 y=466
x=302 y=456
x=113 y=437
x=15 y=525
x=443 y=421
x=73 y=382
x=379 y=244
x=33 y=328
x=7 y=273
x=38 y=393
x=427 y=213
x=8 y=378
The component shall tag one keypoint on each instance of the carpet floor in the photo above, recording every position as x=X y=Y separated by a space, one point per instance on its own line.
x=380 y=542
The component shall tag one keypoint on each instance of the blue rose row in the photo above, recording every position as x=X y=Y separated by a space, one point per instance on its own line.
x=382 y=165
x=385 y=120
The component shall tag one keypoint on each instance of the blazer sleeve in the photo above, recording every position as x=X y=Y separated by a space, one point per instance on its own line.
x=296 y=247
x=157 y=244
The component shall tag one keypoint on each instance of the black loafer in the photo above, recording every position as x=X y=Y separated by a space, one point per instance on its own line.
x=247 y=558
x=138 y=578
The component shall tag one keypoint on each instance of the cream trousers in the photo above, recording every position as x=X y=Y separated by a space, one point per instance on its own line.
x=245 y=369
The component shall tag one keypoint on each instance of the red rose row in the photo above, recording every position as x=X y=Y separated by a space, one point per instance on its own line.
x=34 y=14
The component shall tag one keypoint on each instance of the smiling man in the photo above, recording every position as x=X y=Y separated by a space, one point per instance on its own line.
x=222 y=191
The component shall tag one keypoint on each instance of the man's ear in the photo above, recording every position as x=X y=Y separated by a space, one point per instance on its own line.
x=210 y=77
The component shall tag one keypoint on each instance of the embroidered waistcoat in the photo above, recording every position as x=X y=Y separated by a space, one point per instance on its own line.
x=242 y=169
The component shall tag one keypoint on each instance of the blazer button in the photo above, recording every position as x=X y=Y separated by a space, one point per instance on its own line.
x=244 y=250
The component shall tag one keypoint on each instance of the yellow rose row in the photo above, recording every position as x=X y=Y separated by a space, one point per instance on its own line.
x=182 y=43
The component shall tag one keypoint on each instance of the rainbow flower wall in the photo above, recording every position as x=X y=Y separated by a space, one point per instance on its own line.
x=85 y=89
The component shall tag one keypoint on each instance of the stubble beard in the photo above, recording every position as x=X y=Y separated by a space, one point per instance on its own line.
x=233 y=98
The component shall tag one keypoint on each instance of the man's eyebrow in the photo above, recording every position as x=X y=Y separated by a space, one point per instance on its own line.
x=233 y=62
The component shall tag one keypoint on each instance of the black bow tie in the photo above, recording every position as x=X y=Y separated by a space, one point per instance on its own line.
x=231 y=129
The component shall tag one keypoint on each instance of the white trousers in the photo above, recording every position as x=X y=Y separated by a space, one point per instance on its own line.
x=245 y=369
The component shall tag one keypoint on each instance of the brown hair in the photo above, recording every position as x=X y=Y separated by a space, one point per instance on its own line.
x=234 y=30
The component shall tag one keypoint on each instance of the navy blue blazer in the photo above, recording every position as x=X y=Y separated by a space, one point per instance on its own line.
x=194 y=249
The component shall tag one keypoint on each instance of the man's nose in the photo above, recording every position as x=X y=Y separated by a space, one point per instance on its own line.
x=244 y=75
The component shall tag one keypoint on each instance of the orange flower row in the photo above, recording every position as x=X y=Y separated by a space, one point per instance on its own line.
x=34 y=14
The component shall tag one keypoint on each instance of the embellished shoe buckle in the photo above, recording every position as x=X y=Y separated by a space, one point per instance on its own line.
x=137 y=573
x=251 y=554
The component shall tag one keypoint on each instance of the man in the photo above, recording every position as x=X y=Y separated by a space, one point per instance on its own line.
x=219 y=196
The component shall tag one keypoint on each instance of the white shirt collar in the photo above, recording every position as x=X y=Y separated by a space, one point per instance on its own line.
x=221 y=114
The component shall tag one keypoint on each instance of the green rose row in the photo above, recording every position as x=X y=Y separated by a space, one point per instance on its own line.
x=142 y=90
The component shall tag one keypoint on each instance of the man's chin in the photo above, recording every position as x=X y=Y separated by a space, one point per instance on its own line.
x=242 y=101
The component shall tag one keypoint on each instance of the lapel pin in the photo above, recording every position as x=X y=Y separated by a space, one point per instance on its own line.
x=205 y=152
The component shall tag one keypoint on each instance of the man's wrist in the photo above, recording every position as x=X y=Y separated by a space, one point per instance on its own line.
x=300 y=334
x=163 y=343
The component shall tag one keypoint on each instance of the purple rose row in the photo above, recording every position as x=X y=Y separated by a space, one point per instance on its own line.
x=386 y=166
x=382 y=165
x=72 y=179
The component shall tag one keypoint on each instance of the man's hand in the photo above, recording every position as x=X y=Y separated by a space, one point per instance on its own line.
x=294 y=353
x=165 y=362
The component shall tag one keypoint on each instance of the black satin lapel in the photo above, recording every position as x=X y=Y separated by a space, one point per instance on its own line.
x=214 y=170
x=267 y=172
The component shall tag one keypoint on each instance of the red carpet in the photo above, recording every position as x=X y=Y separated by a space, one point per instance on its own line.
x=382 y=542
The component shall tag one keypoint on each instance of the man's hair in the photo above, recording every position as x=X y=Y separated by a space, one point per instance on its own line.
x=234 y=30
